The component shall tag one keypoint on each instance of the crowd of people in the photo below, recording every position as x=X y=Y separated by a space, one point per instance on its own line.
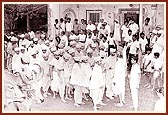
x=87 y=60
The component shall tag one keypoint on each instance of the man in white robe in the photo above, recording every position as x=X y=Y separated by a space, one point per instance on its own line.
x=77 y=81
x=96 y=83
x=16 y=61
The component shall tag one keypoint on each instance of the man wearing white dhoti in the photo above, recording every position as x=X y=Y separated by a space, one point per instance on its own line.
x=16 y=61
x=96 y=83
x=134 y=79
x=119 y=78
x=54 y=73
x=77 y=81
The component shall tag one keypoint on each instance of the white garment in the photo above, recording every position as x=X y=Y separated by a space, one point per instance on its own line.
x=119 y=76
x=133 y=47
x=69 y=27
x=88 y=41
x=117 y=31
x=32 y=35
x=134 y=27
x=143 y=43
x=97 y=78
x=134 y=76
x=158 y=45
x=78 y=94
x=16 y=63
x=134 y=83
x=37 y=48
x=99 y=25
x=128 y=38
x=108 y=28
x=82 y=37
x=124 y=30
x=111 y=40
x=72 y=37
x=157 y=63
x=90 y=27
x=146 y=60
x=62 y=27
x=64 y=40
x=87 y=73
x=77 y=77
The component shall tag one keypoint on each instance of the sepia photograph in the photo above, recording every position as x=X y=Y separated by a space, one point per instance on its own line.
x=84 y=57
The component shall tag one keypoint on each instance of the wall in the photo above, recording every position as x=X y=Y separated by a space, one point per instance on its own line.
x=109 y=11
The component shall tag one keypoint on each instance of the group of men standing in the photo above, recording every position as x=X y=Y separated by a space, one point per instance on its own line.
x=88 y=60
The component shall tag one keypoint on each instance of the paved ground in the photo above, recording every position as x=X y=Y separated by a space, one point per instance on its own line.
x=146 y=102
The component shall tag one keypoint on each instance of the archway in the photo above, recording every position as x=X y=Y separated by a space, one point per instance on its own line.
x=70 y=13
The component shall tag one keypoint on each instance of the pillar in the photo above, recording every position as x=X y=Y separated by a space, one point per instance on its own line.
x=53 y=13
x=140 y=16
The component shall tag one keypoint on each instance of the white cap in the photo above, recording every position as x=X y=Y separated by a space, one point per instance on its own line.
x=70 y=51
x=160 y=32
x=105 y=21
x=78 y=45
x=45 y=54
x=35 y=39
x=51 y=38
x=22 y=48
x=159 y=26
x=93 y=45
x=57 y=52
x=14 y=39
x=66 y=56
x=85 y=57
x=102 y=46
x=30 y=42
x=23 y=43
x=17 y=49
x=47 y=41
x=33 y=52
x=42 y=35
x=154 y=31
x=89 y=50
x=61 y=46
x=61 y=51
x=112 y=50
x=72 y=43
x=98 y=58
x=53 y=49
x=116 y=20
x=102 y=54
x=77 y=58
x=22 y=35
x=43 y=47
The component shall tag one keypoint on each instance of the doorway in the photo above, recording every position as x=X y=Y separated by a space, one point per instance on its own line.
x=129 y=12
x=133 y=16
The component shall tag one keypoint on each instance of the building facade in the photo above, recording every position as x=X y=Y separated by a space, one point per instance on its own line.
x=107 y=11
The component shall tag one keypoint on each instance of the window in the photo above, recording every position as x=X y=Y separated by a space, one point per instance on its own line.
x=93 y=15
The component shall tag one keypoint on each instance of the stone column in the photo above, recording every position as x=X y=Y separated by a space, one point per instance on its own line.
x=140 y=17
x=53 y=13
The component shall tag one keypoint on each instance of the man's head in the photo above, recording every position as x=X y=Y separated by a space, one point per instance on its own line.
x=156 y=55
x=17 y=50
x=134 y=37
x=142 y=35
x=147 y=21
x=76 y=21
x=129 y=32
